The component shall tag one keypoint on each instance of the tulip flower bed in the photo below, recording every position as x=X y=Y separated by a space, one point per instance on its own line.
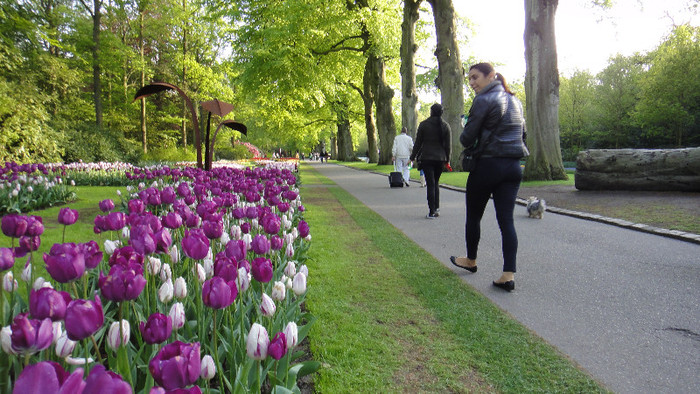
x=195 y=282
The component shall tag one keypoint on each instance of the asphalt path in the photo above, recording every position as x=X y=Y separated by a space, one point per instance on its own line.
x=623 y=304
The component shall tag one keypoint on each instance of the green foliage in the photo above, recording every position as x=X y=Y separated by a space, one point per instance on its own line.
x=89 y=144
x=169 y=155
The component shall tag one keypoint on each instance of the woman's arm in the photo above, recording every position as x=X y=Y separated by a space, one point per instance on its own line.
x=475 y=120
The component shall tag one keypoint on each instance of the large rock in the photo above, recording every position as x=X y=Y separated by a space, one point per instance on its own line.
x=638 y=169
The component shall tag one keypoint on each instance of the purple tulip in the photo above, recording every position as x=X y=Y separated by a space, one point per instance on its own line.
x=239 y=213
x=35 y=226
x=115 y=221
x=278 y=346
x=153 y=198
x=156 y=329
x=183 y=189
x=176 y=365
x=163 y=240
x=276 y=242
x=125 y=256
x=92 y=254
x=65 y=262
x=260 y=244
x=99 y=226
x=191 y=390
x=101 y=380
x=122 y=283
x=245 y=228
x=48 y=377
x=167 y=195
x=251 y=212
x=283 y=207
x=14 y=226
x=67 y=216
x=218 y=294
x=29 y=244
x=213 y=229
x=83 y=318
x=106 y=205
x=142 y=239
x=172 y=220
x=195 y=244
x=48 y=303
x=261 y=269
x=303 y=228
x=30 y=335
x=189 y=200
x=236 y=249
x=7 y=259
x=225 y=268
x=136 y=206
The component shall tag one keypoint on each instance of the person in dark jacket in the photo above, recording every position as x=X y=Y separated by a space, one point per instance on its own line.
x=432 y=150
x=496 y=123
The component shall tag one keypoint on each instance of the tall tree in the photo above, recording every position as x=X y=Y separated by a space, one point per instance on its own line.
x=96 y=14
x=576 y=98
x=409 y=96
x=450 y=71
x=542 y=92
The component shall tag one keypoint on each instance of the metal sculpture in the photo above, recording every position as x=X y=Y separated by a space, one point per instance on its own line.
x=214 y=106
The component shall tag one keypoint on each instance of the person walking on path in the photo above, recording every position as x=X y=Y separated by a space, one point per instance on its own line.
x=496 y=124
x=400 y=153
x=432 y=151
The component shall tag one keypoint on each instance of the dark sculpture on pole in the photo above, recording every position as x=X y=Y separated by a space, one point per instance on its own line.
x=214 y=106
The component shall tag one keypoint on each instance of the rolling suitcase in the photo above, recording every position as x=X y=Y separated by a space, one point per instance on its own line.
x=395 y=179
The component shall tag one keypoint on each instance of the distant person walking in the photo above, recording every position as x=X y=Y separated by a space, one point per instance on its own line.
x=497 y=125
x=432 y=150
x=400 y=154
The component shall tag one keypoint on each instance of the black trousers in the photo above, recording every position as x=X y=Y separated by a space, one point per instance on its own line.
x=433 y=170
x=501 y=178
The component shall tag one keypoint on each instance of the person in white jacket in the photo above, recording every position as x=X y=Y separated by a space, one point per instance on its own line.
x=400 y=153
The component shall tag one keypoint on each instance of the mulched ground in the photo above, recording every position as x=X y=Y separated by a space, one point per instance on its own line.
x=661 y=209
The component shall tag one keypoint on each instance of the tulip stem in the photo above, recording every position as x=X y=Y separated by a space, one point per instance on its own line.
x=87 y=366
x=216 y=356
x=97 y=349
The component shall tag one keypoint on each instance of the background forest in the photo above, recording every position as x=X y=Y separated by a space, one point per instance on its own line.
x=294 y=72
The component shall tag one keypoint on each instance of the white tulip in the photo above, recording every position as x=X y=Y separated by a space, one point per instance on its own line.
x=57 y=328
x=279 y=292
x=110 y=246
x=118 y=336
x=6 y=340
x=291 y=269
x=299 y=284
x=242 y=279
x=177 y=315
x=200 y=273
x=27 y=272
x=165 y=292
x=153 y=265
x=267 y=306
x=166 y=272
x=64 y=346
x=304 y=270
x=174 y=254
x=291 y=334
x=208 y=369
x=180 y=290
x=78 y=360
x=9 y=284
x=257 y=342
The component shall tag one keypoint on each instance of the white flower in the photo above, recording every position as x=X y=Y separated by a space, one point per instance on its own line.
x=118 y=336
x=64 y=346
x=30 y=189
x=279 y=291
x=291 y=269
x=126 y=232
x=236 y=232
x=111 y=246
x=174 y=253
x=304 y=270
x=180 y=291
x=267 y=306
x=209 y=267
x=9 y=284
x=165 y=292
x=242 y=279
x=208 y=369
x=39 y=283
x=57 y=328
x=166 y=272
x=200 y=273
x=27 y=272
x=248 y=239
x=153 y=265
x=257 y=342
x=299 y=284
x=224 y=238
x=78 y=360
x=177 y=315
x=6 y=340
x=289 y=252
x=291 y=334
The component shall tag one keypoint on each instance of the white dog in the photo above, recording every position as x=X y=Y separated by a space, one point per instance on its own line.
x=536 y=207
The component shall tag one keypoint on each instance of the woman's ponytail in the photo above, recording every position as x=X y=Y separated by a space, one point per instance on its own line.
x=501 y=78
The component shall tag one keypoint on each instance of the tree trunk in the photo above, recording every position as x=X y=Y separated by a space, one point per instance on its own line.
x=409 y=96
x=344 y=141
x=386 y=126
x=144 y=139
x=639 y=169
x=450 y=72
x=96 y=79
x=184 y=77
x=333 y=149
x=368 y=100
x=542 y=92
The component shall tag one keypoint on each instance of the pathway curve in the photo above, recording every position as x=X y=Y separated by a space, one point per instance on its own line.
x=623 y=304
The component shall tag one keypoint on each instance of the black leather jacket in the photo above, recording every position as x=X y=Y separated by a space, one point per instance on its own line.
x=504 y=138
x=433 y=141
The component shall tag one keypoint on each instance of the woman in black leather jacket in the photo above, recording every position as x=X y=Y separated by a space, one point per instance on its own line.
x=496 y=121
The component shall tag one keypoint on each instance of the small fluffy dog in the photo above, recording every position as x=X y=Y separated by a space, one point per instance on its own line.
x=536 y=207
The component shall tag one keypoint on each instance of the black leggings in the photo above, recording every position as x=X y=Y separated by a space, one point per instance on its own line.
x=500 y=177
x=432 y=170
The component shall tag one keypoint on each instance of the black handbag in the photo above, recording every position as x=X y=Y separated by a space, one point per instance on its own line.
x=469 y=158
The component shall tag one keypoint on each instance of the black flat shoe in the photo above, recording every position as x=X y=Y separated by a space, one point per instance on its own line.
x=507 y=286
x=453 y=260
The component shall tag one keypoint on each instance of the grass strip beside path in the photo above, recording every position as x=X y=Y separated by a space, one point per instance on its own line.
x=391 y=318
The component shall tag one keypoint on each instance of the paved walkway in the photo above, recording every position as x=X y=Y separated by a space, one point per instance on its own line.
x=623 y=304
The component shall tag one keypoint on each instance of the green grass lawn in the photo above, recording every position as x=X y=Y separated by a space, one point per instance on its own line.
x=455 y=178
x=391 y=318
